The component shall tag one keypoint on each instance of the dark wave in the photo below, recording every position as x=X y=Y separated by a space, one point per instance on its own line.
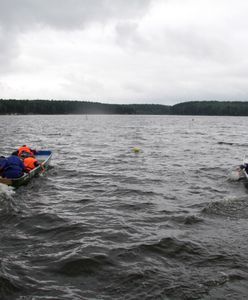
x=8 y=288
x=106 y=223
x=175 y=248
x=225 y=143
x=231 y=144
x=232 y=208
x=187 y=220
x=87 y=266
x=167 y=247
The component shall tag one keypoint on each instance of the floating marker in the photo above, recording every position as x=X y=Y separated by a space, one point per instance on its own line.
x=136 y=149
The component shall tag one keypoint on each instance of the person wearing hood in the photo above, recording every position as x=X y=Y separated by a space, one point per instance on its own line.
x=30 y=162
x=11 y=167
x=25 y=150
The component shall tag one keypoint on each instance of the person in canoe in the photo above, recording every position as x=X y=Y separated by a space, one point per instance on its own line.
x=29 y=161
x=11 y=167
x=24 y=149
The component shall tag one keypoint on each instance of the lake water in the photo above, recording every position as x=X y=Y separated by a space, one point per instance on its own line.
x=107 y=223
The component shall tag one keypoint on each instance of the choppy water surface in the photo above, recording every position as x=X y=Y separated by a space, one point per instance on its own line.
x=107 y=223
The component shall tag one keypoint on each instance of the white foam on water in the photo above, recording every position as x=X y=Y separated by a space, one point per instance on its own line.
x=235 y=175
x=7 y=202
x=6 y=190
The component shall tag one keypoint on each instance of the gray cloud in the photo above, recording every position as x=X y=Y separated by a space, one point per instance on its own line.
x=167 y=50
x=28 y=15
x=8 y=48
x=66 y=14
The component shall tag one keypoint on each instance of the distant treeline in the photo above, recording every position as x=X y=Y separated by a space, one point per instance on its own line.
x=219 y=108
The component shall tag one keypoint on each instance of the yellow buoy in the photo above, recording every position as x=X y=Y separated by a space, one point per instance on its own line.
x=136 y=149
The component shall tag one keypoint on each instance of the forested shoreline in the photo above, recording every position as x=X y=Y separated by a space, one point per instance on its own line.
x=218 y=108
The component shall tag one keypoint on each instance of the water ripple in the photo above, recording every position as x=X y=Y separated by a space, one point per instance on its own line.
x=107 y=223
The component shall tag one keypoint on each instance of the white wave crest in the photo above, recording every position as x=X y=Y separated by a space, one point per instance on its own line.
x=6 y=191
x=7 y=203
x=236 y=175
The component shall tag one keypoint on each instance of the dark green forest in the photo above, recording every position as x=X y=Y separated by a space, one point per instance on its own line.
x=217 y=108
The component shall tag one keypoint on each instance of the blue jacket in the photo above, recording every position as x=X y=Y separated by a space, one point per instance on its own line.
x=12 y=167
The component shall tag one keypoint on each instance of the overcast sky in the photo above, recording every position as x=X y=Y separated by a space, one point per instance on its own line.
x=124 y=51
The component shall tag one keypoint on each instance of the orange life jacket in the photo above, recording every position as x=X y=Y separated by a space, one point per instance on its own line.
x=24 y=149
x=30 y=163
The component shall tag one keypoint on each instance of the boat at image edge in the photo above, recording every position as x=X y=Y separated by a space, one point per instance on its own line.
x=44 y=157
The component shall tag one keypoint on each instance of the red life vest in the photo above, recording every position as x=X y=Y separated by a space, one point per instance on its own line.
x=24 y=148
x=30 y=163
